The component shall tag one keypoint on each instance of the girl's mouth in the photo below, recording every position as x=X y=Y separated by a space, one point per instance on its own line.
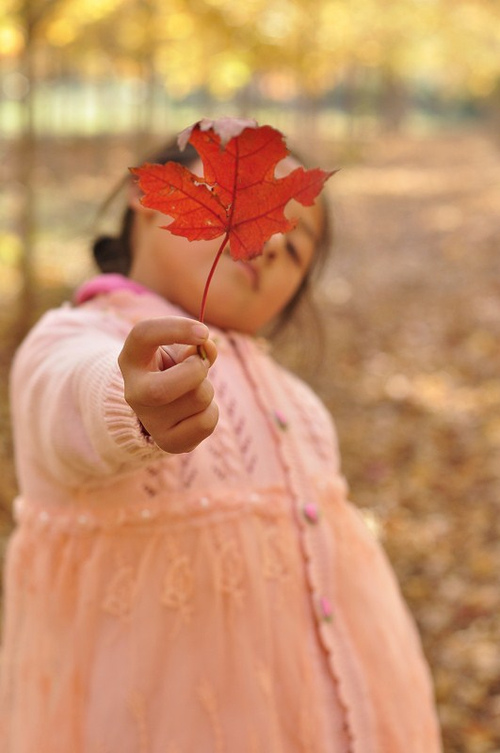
x=251 y=272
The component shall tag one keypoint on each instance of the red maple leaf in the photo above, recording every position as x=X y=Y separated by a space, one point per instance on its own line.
x=238 y=196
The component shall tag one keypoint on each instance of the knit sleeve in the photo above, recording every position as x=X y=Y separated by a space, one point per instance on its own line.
x=69 y=413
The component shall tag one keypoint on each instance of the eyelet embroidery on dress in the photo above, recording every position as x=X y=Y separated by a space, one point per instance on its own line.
x=178 y=583
x=253 y=743
x=230 y=571
x=307 y=723
x=307 y=728
x=178 y=587
x=102 y=748
x=265 y=680
x=120 y=594
x=208 y=700
x=274 y=560
x=137 y=705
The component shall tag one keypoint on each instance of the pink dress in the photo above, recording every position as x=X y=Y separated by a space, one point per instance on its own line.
x=229 y=600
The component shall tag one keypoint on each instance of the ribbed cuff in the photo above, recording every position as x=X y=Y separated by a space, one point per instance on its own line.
x=114 y=429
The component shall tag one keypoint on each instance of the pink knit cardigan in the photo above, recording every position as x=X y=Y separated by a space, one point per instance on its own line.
x=229 y=600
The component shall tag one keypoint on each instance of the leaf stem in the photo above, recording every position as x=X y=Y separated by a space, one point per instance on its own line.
x=210 y=275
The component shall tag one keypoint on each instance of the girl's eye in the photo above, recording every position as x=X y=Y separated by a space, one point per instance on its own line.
x=292 y=250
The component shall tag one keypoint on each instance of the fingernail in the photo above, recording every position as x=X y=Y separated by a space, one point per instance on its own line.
x=200 y=331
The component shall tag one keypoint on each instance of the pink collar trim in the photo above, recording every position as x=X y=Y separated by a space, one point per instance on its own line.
x=107 y=283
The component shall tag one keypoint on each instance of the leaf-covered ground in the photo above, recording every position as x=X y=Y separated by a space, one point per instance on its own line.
x=411 y=371
x=413 y=379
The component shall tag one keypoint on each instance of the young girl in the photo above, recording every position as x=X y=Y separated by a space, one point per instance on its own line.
x=187 y=575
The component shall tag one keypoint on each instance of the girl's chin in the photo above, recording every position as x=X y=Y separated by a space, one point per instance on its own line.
x=227 y=318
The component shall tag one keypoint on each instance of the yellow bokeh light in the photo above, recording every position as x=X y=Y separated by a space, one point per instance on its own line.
x=370 y=53
x=94 y=10
x=227 y=75
x=61 y=32
x=179 y=25
x=11 y=40
x=482 y=85
x=182 y=75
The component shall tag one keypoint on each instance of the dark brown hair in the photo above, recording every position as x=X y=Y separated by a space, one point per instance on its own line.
x=113 y=253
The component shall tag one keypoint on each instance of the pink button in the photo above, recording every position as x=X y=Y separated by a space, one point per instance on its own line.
x=280 y=419
x=325 y=608
x=311 y=512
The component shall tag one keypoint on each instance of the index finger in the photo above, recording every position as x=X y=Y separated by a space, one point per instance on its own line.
x=147 y=336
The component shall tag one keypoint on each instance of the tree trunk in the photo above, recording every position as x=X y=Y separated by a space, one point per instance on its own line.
x=394 y=101
x=27 y=150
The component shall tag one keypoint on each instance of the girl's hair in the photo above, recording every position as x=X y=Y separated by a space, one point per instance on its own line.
x=113 y=253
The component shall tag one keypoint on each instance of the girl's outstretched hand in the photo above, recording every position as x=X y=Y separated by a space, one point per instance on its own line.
x=166 y=382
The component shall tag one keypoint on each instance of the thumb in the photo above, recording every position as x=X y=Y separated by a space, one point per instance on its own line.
x=146 y=337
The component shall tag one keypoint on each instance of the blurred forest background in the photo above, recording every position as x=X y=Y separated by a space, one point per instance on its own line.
x=404 y=96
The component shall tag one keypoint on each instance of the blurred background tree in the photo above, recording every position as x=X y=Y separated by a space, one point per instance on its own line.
x=139 y=68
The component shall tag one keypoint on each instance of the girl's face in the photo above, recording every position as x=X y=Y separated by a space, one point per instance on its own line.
x=243 y=295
